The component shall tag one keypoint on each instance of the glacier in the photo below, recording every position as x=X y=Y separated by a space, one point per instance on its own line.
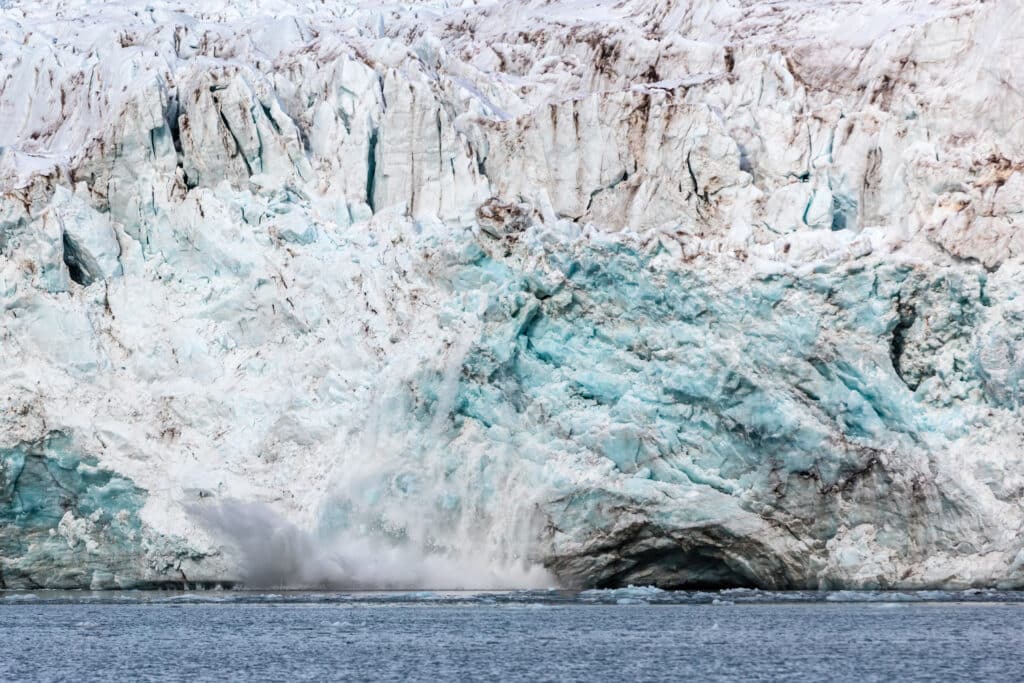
x=689 y=294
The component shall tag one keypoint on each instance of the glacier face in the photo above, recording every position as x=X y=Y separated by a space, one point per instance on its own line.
x=691 y=294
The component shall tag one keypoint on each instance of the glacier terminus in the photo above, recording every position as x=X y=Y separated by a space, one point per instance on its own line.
x=482 y=294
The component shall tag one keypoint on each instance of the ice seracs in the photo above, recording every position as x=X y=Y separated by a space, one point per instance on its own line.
x=646 y=292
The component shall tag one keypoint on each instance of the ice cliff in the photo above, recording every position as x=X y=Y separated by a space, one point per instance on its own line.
x=691 y=293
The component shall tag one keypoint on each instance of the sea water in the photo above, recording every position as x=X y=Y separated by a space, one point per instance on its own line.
x=628 y=634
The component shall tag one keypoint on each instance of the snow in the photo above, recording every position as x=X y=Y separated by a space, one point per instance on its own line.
x=486 y=294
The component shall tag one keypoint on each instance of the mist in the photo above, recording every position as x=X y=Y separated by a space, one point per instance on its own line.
x=271 y=552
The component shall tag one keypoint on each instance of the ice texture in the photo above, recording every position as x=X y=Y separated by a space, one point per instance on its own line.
x=491 y=295
x=70 y=524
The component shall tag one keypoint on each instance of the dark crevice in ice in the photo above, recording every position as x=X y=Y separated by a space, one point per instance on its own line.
x=270 y=117
x=171 y=114
x=898 y=341
x=238 y=145
x=76 y=268
x=371 y=169
x=693 y=179
x=622 y=177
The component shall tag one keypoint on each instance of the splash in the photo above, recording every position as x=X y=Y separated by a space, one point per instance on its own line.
x=420 y=500
x=272 y=552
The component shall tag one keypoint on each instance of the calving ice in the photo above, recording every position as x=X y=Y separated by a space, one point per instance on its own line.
x=500 y=295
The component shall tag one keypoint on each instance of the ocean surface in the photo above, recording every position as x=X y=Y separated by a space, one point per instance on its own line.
x=628 y=634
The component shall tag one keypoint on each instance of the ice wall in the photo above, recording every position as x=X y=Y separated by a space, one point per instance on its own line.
x=709 y=293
